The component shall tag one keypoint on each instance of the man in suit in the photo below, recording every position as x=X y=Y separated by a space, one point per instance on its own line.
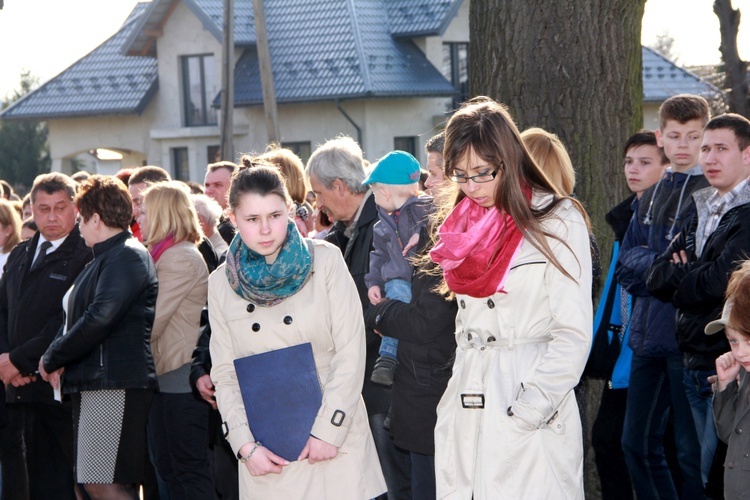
x=37 y=275
x=336 y=171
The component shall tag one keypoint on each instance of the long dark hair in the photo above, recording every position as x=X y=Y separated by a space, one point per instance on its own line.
x=485 y=127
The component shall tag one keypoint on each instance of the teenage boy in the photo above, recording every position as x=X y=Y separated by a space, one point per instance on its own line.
x=656 y=375
x=644 y=164
x=694 y=271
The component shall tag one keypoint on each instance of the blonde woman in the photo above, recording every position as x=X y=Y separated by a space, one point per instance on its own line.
x=550 y=154
x=178 y=422
x=10 y=231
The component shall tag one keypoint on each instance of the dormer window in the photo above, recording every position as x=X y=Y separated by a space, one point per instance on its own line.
x=199 y=88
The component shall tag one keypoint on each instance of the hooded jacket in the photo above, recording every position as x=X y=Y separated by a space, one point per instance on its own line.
x=390 y=235
x=661 y=213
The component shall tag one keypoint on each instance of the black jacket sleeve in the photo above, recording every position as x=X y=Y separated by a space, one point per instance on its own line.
x=420 y=321
x=201 y=364
x=664 y=276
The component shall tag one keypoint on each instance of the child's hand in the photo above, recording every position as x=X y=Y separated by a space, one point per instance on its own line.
x=411 y=243
x=373 y=293
x=727 y=370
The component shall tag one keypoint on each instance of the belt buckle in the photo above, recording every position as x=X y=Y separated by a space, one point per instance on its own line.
x=472 y=400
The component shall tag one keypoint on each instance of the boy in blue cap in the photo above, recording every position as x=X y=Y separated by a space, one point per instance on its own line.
x=403 y=213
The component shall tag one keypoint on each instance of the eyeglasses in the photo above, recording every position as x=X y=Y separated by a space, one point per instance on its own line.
x=479 y=178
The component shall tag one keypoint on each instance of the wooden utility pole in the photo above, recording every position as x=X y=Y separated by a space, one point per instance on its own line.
x=266 y=73
x=227 y=83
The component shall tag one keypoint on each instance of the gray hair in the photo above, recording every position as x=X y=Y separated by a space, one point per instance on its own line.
x=339 y=158
x=207 y=207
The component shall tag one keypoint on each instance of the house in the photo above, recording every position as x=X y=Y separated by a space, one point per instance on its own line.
x=366 y=68
x=662 y=79
x=386 y=72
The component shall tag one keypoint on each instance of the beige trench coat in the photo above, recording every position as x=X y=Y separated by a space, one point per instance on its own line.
x=327 y=313
x=183 y=285
x=524 y=351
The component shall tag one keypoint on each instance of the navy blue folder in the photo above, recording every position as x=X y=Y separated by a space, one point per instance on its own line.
x=282 y=396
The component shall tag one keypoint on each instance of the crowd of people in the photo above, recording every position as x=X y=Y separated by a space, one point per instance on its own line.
x=449 y=313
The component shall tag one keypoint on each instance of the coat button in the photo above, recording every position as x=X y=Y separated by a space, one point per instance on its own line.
x=256 y=327
x=738 y=431
x=288 y=320
x=730 y=465
x=250 y=308
x=491 y=339
x=490 y=303
x=463 y=304
x=469 y=336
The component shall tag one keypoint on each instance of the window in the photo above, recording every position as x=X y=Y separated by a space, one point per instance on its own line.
x=301 y=149
x=456 y=69
x=180 y=167
x=199 y=88
x=408 y=144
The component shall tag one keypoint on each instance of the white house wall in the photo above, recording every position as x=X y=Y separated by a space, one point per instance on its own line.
x=651 y=115
x=71 y=136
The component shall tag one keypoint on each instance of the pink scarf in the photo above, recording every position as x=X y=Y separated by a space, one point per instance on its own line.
x=161 y=247
x=476 y=247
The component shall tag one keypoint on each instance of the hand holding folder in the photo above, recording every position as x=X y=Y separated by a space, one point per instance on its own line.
x=282 y=396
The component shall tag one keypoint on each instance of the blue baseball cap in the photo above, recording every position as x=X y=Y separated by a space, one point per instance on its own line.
x=397 y=167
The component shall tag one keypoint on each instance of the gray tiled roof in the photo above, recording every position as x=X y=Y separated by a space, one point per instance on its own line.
x=421 y=17
x=662 y=79
x=336 y=49
x=102 y=82
x=321 y=50
x=212 y=11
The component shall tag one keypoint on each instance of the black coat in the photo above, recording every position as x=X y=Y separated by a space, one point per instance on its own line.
x=425 y=329
x=111 y=312
x=31 y=307
x=697 y=288
x=356 y=253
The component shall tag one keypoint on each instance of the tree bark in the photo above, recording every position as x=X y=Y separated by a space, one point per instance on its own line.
x=574 y=69
x=734 y=67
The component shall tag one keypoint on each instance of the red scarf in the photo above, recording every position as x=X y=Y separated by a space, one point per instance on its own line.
x=159 y=248
x=476 y=247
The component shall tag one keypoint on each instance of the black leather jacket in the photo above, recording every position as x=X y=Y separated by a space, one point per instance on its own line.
x=110 y=314
x=696 y=289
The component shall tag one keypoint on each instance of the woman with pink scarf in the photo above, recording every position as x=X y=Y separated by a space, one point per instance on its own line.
x=515 y=252
x=178 y=422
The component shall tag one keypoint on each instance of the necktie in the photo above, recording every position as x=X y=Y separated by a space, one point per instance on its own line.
x=42 y=253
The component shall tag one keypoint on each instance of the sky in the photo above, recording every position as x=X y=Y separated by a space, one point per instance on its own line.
x=47 y=36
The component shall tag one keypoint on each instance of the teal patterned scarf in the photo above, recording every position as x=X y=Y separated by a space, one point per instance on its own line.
x=257 y=282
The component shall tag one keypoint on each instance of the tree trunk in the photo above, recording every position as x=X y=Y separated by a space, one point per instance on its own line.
x=574 y=69
x=734 y=67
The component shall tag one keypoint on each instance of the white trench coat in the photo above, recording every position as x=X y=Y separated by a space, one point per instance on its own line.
x=524 y=352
